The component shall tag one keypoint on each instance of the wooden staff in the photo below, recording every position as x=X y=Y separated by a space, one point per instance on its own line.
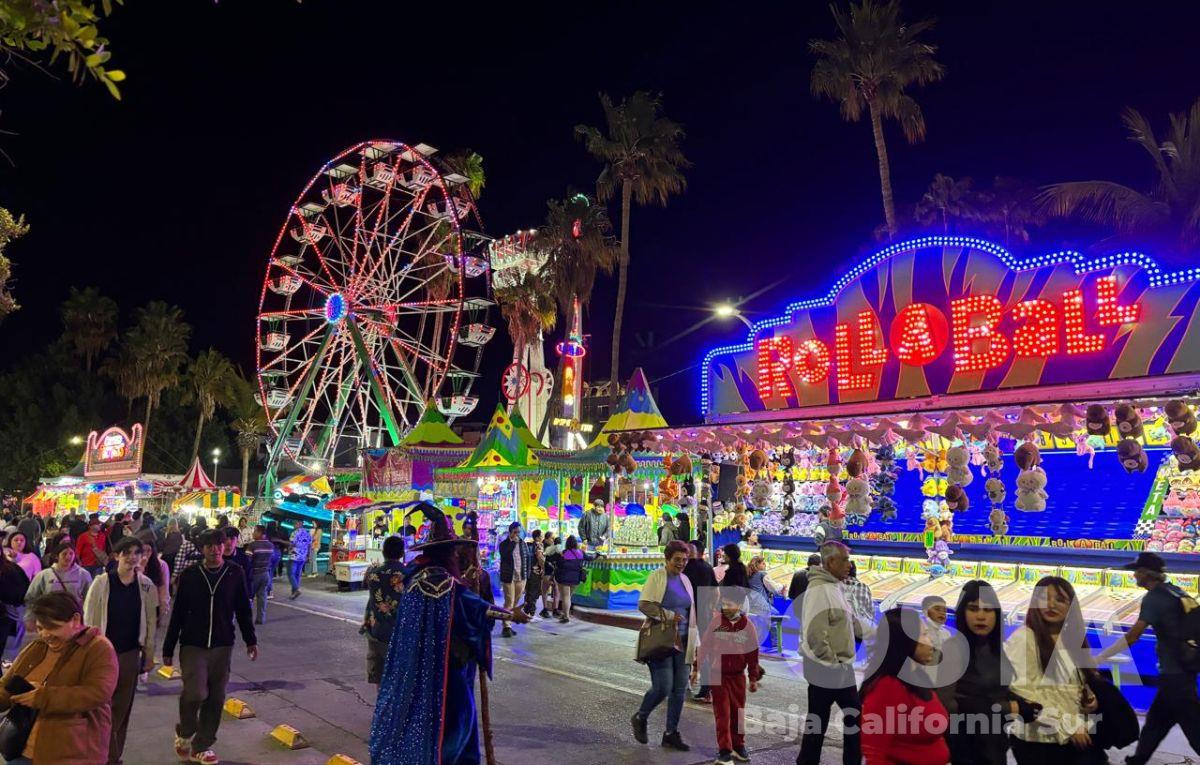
x=489 y=749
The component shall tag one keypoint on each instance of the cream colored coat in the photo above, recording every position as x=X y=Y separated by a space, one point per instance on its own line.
x=651 y=600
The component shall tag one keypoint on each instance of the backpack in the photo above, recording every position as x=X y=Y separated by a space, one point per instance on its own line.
x=1187 y=646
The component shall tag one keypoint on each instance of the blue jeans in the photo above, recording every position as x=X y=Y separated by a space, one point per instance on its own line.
x=258 y=590
x=294 y=572
x=668 y=680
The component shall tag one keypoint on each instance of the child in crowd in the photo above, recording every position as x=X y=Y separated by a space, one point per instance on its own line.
x=933 y=611
x=728 y=654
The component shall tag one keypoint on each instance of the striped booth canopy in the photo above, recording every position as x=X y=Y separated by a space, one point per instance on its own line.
x=213 y=500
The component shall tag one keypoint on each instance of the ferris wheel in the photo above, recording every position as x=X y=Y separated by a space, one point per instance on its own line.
x=374 y=304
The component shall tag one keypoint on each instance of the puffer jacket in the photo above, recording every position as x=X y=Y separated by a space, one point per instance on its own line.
x=74 y=714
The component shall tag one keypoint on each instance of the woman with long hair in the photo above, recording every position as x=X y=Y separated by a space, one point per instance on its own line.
x=983 y=684
x=1049 y=656
x=900 y=682
x=734 y=573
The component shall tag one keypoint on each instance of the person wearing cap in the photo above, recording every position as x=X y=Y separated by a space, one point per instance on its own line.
x=425 y=711
x=593 y=526
x=1176 y=702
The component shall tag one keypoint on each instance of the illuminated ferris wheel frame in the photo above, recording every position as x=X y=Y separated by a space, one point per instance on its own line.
x=361 y=312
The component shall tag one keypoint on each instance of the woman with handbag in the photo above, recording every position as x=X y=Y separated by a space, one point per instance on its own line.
x=68 y=675
x=667 y=643
x=64 y=575
x=569 y=575
x=1050 y=662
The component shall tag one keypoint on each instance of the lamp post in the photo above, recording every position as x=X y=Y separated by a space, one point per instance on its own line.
x=216 y=455
x=728 y=311
x=76 y=440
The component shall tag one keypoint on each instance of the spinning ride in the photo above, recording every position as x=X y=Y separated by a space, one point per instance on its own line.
x=374 y=304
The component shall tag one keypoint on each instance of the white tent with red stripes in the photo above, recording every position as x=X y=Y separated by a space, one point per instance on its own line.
x=196 y=479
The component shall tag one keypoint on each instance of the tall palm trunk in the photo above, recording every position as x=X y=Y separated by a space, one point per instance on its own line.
x=885 y=170
x=622 y=283
x=146 y=424
x=199 y=431
x=245 y=470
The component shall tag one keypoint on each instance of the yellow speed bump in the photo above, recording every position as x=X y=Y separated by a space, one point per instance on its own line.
x=342 y=759
x=289 y=737
x=238 y=709
x=168 y=673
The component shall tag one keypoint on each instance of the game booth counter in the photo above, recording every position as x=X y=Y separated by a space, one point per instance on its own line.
x=999 y=417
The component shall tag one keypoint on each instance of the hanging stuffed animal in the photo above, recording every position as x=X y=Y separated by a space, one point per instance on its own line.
x=1098 y=423
x=857 y=464
x=935 y=461
x=1132 y=456
x=995 y=490
x=682 y=466
x=1031 y=490
x=757 y=460
x=1129 y=422
x=1180 y=417
x=1027 y=456
x=668 y=490
x=956 y=498
x=998 y=521
x=1187 y=454
x=993 y=460
x=858 y=497
x=957 y=470
x=886 y=507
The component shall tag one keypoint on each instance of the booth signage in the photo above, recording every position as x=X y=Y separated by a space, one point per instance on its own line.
x=948 y=315
x=113 y=453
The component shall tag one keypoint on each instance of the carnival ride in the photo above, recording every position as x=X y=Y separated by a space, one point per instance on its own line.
x=374 y=304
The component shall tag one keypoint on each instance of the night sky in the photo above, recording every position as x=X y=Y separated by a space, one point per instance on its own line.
x=177 y=192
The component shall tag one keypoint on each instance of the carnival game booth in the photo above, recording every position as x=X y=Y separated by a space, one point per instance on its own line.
x=108 y=479
x=998 y=417
x=198 y=496
x=399 y=474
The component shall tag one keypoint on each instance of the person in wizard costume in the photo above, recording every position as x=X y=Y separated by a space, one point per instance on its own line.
x=426 y=713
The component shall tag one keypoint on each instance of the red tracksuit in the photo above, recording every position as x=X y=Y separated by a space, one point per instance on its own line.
x=728 y=650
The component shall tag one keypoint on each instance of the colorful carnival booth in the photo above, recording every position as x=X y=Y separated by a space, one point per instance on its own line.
x=108 y=479
x=997 y=418
x=198 y=496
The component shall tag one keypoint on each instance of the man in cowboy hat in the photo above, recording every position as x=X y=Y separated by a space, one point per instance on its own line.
x=1176 y=702
x=426 y=707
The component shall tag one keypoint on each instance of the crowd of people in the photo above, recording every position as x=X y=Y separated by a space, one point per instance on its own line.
x=101 y=598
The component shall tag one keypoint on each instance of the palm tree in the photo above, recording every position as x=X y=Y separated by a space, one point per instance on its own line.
x=89 y=322
x=1010 y=209
x=120 y=368
x=875 y=57
x=157 y=348
x=643 y=161
x=209 y=383
x=470 y=165
x=249 y=424
x=577 y=240
x=10 y=228
x=528 y=308
x=947 y=199
x=1167 y=214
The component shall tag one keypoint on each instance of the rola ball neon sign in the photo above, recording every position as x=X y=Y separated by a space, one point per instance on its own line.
x=980 y=333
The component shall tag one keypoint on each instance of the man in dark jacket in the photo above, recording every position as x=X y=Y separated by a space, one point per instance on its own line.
x=800 y=578
x=210 y=595
x=515 y=562
x=704 y=582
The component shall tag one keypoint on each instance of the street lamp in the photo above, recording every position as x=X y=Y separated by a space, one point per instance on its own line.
x=216 y=454
x=76 y=440
x=727 y=311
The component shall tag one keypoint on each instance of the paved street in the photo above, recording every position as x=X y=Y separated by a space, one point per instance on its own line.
x=562 y=693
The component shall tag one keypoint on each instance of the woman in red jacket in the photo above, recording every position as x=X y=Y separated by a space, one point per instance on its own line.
x=915 y=736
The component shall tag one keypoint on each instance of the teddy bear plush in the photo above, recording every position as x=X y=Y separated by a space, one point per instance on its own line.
x=1031 y=490
x=956 y=498
x=1132 y=456
x=1180 y=418
x=858 y=497
x=995 y=490
x=760 y=493
x=1098 y=423
x=993 y=460
x=1027 y=456
x=856 y=464
x=1187 y=454
x=1129 y=422
x=957 y=470
x=998 y=521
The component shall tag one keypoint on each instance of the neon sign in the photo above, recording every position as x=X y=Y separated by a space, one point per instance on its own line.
x=946 y=315
x=113 y=453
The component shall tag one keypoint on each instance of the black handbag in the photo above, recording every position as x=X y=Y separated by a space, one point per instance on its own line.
x=1117 y=723
x=18 y=723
